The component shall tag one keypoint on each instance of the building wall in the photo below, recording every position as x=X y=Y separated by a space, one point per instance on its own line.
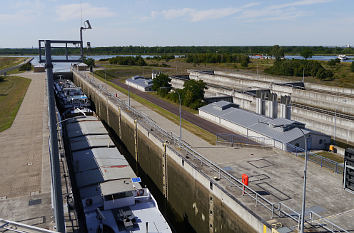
x=315 y=139
x=136 y=86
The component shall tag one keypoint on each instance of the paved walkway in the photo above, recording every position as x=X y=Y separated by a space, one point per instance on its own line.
x=276 y=174
x=24 y=156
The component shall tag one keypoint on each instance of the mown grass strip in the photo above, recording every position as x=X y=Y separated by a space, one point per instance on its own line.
x=207 y=136
x=12 y=92
x=6 y=62
x=331 y=156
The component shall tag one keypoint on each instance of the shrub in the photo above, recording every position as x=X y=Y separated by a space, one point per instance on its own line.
x=217 y=58
x=26 y=67
x=352 y=67
x=297 y=67
x=333 y=62
x=132 y=61
x=89 y=61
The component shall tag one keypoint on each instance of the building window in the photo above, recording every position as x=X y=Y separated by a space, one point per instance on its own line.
x=320 y=142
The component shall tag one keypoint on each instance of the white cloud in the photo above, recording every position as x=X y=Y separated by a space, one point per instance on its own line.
x=299 y=3
x=286 y=11
x=73 y=11
x=200 y=15
x=248 y=12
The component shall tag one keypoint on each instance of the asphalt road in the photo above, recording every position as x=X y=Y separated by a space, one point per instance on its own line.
x=194 y=119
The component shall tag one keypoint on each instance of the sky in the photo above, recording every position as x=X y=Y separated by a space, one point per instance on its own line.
x=182 y=22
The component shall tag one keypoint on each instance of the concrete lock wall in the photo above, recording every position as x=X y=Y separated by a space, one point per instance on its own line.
x=188 y=192
x=312 y=119
x=315 y=97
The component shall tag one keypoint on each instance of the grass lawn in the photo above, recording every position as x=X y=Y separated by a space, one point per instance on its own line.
x=12 y=91
x=209 y=137
x=6 y=62
x=331 y=156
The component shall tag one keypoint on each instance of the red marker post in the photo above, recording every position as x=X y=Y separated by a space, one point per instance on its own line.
x=244 y=182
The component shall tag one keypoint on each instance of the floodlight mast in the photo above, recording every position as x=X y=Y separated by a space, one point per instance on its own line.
x=87 y=25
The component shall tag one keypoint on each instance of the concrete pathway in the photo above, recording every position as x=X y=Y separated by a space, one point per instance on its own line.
x=24 y=156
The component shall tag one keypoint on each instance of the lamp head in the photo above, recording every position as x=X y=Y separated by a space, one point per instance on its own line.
x=87 y=24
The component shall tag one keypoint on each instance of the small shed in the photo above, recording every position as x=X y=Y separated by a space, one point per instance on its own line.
x=39 y=68
x=82 y=67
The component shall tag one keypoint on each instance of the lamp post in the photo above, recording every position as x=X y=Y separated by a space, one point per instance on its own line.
x=180 y=118
x=180 y=114
x=304 y=188
x=87 y=26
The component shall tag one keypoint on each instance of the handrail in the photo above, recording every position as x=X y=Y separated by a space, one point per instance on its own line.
x=275 y=208
x=316 y=158
x=7 y=226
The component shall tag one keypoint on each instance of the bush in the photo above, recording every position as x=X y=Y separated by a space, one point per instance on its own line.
x=132 y=61
x=352 y=67
x=89 y=61
x=296 y=68
x=217 y=58
x=26 y=67
x=333 y=62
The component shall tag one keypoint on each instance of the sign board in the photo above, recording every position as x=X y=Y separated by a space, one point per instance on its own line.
x=136 y=180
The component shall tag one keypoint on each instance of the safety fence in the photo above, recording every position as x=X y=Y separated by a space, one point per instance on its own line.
x=213 y=172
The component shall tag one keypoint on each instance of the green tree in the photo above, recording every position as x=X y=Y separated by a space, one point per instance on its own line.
x=193 y=93
x=277 y=52
x=352 y=67
x=89 y=61
x=333 y=62
x=26 y=67
x=306 y=53
x=161 y=84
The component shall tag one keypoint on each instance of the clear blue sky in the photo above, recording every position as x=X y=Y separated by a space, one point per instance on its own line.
x=182 y=22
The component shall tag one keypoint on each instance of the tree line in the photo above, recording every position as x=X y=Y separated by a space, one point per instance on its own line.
x=183 y=50
x=218 y=58
x=300 y=68
x=132 y=61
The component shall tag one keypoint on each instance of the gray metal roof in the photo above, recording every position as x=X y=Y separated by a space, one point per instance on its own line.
x=100 y=165
x=77 y=127
x=97 y=158
x=140 y=81
x=280 y=129
x=90 y=141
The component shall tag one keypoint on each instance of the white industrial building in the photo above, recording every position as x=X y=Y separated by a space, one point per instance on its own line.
x=140 y=83
x=279 y=132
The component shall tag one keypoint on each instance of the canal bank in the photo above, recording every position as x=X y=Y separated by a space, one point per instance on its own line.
x=192 y=194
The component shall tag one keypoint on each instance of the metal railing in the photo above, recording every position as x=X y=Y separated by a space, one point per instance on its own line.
x=206 y=167
x=12 y=226
x=297 y=151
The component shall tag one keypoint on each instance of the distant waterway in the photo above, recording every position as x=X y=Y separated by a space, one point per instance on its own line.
x=316 y=58
x=62 y=67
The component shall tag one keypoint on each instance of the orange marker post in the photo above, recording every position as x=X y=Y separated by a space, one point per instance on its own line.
x=244 y=182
